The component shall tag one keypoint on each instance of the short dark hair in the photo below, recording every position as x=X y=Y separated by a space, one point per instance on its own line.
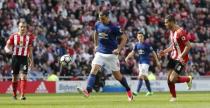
x=104 y=13
x=170 y=18
x=21 y=21
x=140 y=32
x=144 y=34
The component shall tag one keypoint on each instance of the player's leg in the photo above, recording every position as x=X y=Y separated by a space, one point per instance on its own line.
x=14 y=85
x=173 y=76
x=96 y=66
x=90 y=81
x=140 y=81
x=114 y=65
x=145 y=73
x=23 y=83
x=92 y=77
x=182 y=79
x=139 y=85
x=23 y=76
x=187 y=79
x=147 y=83
x=171 y=86
x=170 y=80
x=118 y=76
x=15 y=74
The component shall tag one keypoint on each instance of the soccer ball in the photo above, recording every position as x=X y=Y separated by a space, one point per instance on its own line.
x=65 y=60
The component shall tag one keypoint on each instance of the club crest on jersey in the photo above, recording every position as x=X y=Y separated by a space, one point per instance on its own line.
x=141 y=51
x=103 y=35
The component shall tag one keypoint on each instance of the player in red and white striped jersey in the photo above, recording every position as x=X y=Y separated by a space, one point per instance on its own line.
x=20 y=44
x=179 y=49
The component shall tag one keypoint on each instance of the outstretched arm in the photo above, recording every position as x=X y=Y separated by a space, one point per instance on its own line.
x=131 y=54
x=167 y=50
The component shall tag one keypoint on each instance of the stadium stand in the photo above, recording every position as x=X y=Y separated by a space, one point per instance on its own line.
x=66 y=26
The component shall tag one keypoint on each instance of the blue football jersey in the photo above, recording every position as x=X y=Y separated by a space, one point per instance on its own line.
x=107 y=37
x=143 y=50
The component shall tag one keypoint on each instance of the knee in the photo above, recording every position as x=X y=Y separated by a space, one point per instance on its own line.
x=95 y=69
x=118 y=78
x=14 y=79
x=141 y=77
x=173 y=79
x=23 y=76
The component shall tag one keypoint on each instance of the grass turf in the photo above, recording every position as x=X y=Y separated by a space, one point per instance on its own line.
x=108 y=100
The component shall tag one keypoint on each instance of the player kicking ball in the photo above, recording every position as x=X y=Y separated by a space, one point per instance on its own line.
x=107 y=50
x=143 y=50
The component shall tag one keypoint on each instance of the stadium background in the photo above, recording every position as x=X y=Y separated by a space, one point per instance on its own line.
x=66 y=26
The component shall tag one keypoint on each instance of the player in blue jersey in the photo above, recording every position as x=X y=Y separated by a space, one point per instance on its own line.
x=143 y=50
x=107 y=49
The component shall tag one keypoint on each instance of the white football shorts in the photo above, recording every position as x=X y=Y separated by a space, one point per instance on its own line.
x=109 y=61
x=143 y=69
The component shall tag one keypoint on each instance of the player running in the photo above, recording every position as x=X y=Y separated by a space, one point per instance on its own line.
x=143 y=50
x=179 y=49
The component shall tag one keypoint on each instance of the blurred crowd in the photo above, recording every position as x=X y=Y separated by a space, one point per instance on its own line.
x=67 y=26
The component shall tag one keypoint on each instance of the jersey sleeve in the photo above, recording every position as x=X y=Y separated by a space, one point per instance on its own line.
x=151 y=48
x=96 y=26
x=118 y=31
x=31 y=40
x=11 y=40
x=183 y=37
x=135 y=48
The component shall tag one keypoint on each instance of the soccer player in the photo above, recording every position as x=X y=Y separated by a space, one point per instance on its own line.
x=178 y=49
x=107 y=50
x=20 y=44
x=143 y=50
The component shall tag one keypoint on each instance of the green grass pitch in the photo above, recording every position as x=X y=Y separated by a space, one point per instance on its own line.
x=108 y=100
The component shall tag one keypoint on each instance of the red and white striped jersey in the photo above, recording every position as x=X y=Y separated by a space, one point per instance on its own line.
x=179 y=40
x=21 y=44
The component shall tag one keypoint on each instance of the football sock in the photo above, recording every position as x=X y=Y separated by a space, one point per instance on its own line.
x=182 y=79
x=171 y=86
x=14 y=87
x=22 y=87
x=125 y=84
x=90 y=82
x=148 y=85
x=139 y=85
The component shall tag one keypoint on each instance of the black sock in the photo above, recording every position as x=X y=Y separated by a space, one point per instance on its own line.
x=148 y=85
x=125 y=84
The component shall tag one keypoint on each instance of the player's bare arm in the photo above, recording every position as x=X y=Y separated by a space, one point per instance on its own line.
x=186 y=51
x=167 y=50
x=156 y=59
x=131 y=54
x=31 y=62
x=121 y=45
x=7 y=48
x=95 y=38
